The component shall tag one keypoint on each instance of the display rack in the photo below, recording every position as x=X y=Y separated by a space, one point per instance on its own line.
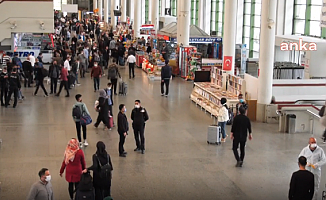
x=235 y=85
x=217 y=76
x=208 y=63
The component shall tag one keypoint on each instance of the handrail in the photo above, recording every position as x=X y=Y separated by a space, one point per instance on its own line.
x=314 y=114
x=279 y=112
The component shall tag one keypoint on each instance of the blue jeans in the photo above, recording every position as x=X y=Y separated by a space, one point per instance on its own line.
x=222 y=125
x=96 y=83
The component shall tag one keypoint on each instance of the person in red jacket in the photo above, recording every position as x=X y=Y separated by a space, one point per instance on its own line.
x=74 y=163
x=96 y=74
x=64 y=81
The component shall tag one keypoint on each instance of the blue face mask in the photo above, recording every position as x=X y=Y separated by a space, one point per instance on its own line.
x=125 y=109
x=241 y=101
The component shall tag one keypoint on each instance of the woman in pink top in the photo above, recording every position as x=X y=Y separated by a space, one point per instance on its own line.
x=64 y=81
x=74 y=163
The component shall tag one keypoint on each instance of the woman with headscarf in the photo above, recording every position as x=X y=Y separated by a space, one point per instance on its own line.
x=74 y=163
x=103 y=110
x=101 y=184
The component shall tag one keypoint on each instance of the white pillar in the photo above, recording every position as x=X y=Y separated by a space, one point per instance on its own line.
x=143 y=10
x=230 y=22
x=183 y=22
x=155 y=14
x=114 y=6
x=150 y=11
x=106 y=11
x=162 y=7
x=123 y=10
x=100 y=9
x=132 y=10
x=266 y=56
x=137 y=18
x=201 y=14
x=94 y=4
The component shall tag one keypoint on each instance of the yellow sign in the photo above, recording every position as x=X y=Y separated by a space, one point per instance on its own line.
x=96 y=10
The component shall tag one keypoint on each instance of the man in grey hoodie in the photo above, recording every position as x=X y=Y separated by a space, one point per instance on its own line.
x=83 y=109
x=42 y=189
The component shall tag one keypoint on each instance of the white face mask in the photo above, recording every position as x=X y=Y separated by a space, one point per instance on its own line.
x=95 y=65
x=109 y=88
x=314 y=145
x=48 y=178
x=137 y=106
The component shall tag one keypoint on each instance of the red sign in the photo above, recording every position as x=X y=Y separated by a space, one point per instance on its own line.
x=227 y=63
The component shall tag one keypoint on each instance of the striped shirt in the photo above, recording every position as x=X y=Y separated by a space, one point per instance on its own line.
x=5 y=59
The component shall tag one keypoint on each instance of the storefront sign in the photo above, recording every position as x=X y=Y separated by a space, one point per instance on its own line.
x=323 y=15
x=202 y=40
x=23 y=53
x=227 y=63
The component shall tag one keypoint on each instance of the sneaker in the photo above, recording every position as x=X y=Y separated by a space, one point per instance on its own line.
x=122 y=155
x=142 y=151
x=78 y=84
x=166 y=95
x=162 y=94
x=80 y=144
x=137 y=149
x=46 y=95
x=223 y=140
x=34 y=94
x=85 y=143
x=324 y=142
x=241 y=163
x=238 y=164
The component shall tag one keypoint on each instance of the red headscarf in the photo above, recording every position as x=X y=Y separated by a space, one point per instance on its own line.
x=71 y=150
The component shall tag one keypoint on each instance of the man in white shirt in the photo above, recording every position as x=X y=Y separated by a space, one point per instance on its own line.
x=315 y=160
x=66 y=64
x=131 y=60
x=31 y=59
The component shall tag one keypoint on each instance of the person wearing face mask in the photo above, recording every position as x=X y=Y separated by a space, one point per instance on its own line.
x=109 y=95
x=42 y=189
x=302 y=182
x=96 y=74
x=242 y=103
x=139 y=117
x=123 y=128
x=103 y=108
x=315 y=160
x=83 y=107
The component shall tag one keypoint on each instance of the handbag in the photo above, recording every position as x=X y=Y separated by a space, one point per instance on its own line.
x=85 y=119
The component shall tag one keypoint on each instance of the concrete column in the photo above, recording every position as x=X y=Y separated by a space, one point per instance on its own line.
x=143 y=10
x=123 y=10
x=137 y=20
x=94 y=4
x=183 y=22
x=162 y=7
x=150 y=11
x=201 y=14
x=155 y=14
x=230 y=22
x=100 y=9
x=266 y=56
x=178 y=19
x=114 y=6
x=132 y=10
x=106 y=11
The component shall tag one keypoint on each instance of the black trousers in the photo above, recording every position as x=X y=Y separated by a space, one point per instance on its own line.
x=40 y=82
x=71 y=189
x=102 y=118
x=28 y=79
x=78 y=128
x=65 y=84
x=100 y=194
x=139 y=133
x=114 y=82
x=15 y=92
x=165 y=82
x=132 y=70
x=54 y=83
x=4 y=94
x=235 y=147
x=121 y=143
x=96 y=83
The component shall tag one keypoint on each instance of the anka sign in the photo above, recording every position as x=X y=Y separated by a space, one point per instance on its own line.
x=301 y=46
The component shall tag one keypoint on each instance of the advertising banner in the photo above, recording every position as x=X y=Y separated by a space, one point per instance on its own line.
x=227 y=63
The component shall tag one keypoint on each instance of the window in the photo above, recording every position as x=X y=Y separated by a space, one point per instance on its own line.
x=173 y=7
x=217 y=16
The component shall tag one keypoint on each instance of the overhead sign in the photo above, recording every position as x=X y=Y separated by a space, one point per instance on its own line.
x=227 y=63
x=202 y=40
x=323 y=15
x=167 y=11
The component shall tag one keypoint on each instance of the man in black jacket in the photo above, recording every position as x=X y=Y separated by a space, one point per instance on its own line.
x=54 y=73
x=302 y=185
x=4 y=81
x=139 y=116
x=40 y=80
x=14 y=86
x=123 y=128
x=28 y=70
x=166 y=74
x=239 y=132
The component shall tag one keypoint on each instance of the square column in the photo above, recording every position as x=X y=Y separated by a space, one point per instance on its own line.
x=137 y=20
x=124 y=10
x=100 y=9
x=183 y=25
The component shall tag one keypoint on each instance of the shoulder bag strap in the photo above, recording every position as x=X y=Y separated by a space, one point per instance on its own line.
x=98 y=160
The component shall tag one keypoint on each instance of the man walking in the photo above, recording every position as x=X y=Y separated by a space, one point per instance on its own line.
x=139 y=117
x=315 y=160
x=166 y=74
x=28 y=70
x=40 y=80
x=14 y=87
x=64 y=81
x=83 y=108
x=302 y=182
x=96 y=74
x=54 y=72
x=239 y=132
x=113 y=74
x=4 y=81
x=131 y=60
x=123 y=128
x=42 y=190
x=109 y=94
x=82 y=61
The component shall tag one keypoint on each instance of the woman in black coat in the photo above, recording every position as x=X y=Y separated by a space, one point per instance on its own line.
x=103 y=110
x=102 y=185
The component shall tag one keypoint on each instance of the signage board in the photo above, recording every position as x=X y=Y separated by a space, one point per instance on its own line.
x=202 y=40
x=167 y=11
x=323 y=14
x=227 y=63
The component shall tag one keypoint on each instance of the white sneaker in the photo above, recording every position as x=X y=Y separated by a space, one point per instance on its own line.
x=80 y=144
x=162 y=94
x=85 y=143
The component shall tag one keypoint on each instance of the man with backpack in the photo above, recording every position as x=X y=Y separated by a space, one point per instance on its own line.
x=77 y=111
x=166 y=74
x=41 y=73
x=113 y=74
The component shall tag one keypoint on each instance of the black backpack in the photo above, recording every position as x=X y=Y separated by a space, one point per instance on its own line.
x=86 y=183
x=76 y=112
x=106 y=170
x=45 y=72
x=112 y=72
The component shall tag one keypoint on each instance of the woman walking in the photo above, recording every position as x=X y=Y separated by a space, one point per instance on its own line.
x=103 y=110
x=74 y=163
x=223 y=117
x=101 y=183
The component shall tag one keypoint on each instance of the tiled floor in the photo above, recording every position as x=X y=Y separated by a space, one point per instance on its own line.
x=178 y=163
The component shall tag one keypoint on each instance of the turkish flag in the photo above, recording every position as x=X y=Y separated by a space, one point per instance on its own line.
x=227 y=63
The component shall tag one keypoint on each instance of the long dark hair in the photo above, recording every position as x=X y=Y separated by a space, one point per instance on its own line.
x=101 y=152
x=223 y=102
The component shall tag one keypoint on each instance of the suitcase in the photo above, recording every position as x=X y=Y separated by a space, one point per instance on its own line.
x=123 y=88
x=214 y=135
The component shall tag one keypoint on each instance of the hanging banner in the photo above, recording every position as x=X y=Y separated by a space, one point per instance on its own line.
x=227 y=63
x=323 y=15
x=243 y=58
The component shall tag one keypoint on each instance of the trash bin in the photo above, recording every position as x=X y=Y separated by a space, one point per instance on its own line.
x=291 y=123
